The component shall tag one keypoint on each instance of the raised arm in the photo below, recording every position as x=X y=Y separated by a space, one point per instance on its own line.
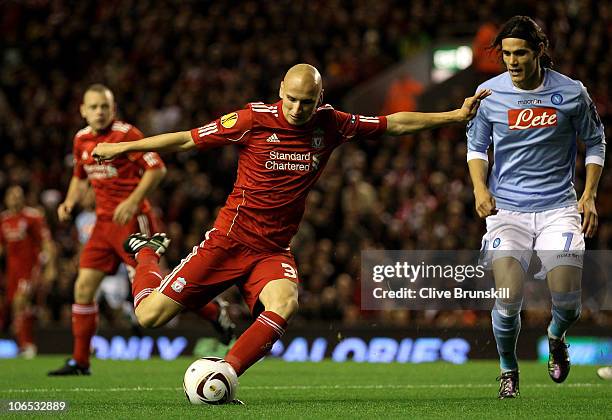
x=170 y=142
x=402 y=123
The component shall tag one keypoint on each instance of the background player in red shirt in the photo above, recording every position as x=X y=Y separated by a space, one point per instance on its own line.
x=23 y=236
x=120 y=186
x=283 y=150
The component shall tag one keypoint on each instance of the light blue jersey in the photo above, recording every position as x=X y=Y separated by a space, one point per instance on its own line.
x=534 y=140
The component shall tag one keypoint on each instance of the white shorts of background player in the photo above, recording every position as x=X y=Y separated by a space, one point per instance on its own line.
x=555 y=236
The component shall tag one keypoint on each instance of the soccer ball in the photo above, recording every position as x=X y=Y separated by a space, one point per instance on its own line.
x=210 y=380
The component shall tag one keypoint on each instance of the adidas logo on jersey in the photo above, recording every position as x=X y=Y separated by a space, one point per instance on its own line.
x=273 y=139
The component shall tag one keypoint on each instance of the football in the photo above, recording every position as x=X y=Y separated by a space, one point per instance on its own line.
x=210 y=380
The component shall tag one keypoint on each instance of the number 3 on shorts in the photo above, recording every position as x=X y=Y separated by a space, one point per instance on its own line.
x=289 y=271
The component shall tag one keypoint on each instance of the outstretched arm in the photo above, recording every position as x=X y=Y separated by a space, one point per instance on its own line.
x=170 y=142
x=402 y=123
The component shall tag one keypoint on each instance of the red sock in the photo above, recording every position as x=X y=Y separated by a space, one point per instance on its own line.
x=209 y=312
x=84 y=325
x=147 y=277
x=24 y=325
x=256 y=341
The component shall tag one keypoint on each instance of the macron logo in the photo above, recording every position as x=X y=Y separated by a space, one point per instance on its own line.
x=524 y=119
x=273 y=139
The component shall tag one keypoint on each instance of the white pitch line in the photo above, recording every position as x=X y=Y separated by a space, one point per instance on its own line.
x=298 y=387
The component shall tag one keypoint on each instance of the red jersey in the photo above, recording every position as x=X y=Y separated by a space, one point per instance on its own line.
x=21 y=235
x=278 y=165
x=114 y=180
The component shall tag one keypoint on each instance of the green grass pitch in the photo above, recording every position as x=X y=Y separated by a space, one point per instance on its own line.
x=275 y=389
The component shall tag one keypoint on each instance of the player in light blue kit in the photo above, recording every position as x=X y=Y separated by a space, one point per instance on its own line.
x=532 y=120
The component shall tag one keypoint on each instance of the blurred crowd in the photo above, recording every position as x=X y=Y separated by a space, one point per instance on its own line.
x=174 y=65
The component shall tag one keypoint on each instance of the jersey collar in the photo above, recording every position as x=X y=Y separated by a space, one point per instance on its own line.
x=309 y=125
x=104 y=131
x=539 y=88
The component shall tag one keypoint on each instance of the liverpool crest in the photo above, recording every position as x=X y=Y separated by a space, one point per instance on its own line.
x=317 y=138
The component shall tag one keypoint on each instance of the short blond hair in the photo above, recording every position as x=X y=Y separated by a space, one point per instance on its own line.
x=98 y=87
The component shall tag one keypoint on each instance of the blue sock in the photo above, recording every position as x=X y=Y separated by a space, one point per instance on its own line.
x=506 y=327
x=565 y=311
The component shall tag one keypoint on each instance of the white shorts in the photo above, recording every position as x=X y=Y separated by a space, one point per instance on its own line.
x=115 y=288
x=556 y=236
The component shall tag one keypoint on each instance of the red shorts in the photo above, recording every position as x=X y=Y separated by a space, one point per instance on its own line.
x=218 y=263
x=104 y=249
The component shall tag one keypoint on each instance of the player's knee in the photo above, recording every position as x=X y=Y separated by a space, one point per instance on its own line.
x=286 y=307
x=150 y=314
x=507 y=308
x=156 y=310
x=146 y=320
x=146 y=317
x=280 y=297
x=85 y=289
x=291 y=307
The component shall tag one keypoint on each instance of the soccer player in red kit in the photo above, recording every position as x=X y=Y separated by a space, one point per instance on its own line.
x=23 y=236
x=283 y=149
x=121 y=187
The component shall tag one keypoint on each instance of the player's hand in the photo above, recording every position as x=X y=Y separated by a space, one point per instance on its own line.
x=470 y=105
x=64 y=212
x=590 y=219
x=485 y=202
x=106 y=151
x=125 y=211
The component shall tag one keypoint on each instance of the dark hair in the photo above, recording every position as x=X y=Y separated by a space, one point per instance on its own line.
x=523 y=27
